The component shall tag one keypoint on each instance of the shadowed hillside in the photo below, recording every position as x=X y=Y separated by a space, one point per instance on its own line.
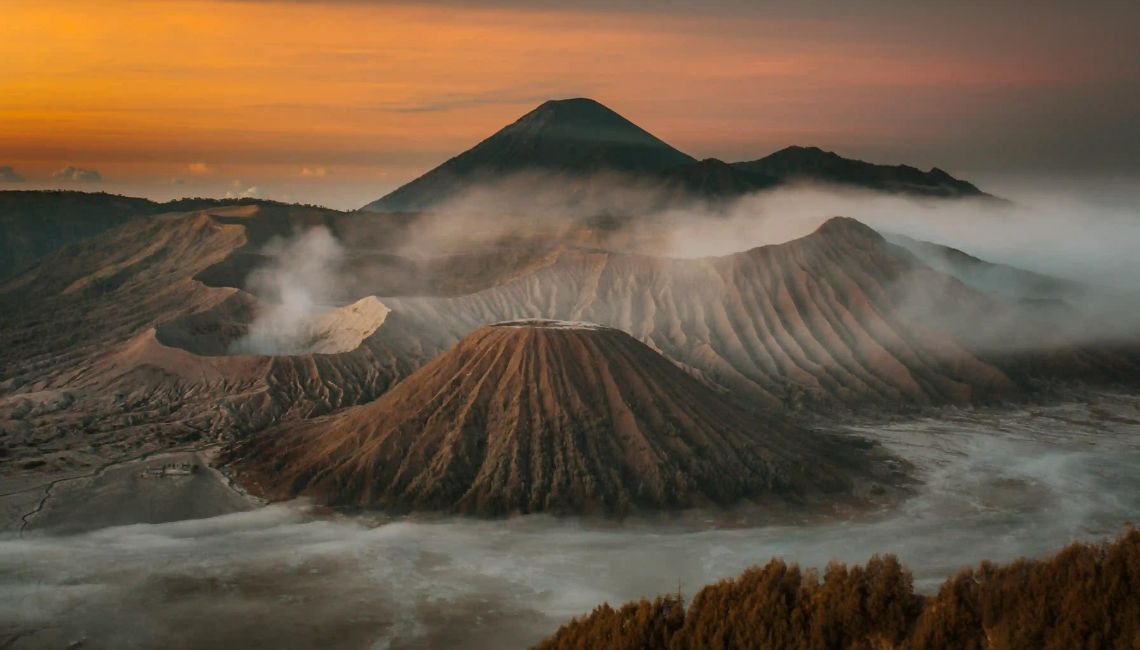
x=35 y=223
x=815 y=164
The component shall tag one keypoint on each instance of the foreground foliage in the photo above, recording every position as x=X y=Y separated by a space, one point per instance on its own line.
x=1086 y=596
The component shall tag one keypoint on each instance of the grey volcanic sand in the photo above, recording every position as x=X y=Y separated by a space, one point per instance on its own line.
x=997 y=485
x=120 y=494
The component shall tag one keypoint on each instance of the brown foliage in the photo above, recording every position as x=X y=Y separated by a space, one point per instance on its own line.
x=1086 y=596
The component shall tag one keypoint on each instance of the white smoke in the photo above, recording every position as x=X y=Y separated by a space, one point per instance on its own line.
x=300 y=282
x=1063 y=235
x=1083 y=247
x=1059 y=233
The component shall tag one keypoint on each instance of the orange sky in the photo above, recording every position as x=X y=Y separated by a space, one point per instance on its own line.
x=337 y=102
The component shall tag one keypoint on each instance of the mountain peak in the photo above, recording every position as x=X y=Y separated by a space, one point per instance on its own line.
x=848 y=228
x=804 y=154
x=572 y=105
x=580 y=121
x=564 y=136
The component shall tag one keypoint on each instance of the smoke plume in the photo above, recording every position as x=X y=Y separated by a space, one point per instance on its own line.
x=299 y=282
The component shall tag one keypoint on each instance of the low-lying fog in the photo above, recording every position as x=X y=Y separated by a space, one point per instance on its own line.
x=1090 y=238
x=1075 y=232
x=996 y=485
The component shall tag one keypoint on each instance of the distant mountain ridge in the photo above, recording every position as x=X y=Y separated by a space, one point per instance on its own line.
x=815 y=164
x=581 y=137
x=34 y=223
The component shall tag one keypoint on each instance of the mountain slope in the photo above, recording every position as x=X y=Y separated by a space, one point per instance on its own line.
x=824 y=320
x=114 y=343
x=34 y=223
x=814 y=164
x=839 y=318
x=546 y=416
x=83 y=364
x=570 y=136
x=989 y=277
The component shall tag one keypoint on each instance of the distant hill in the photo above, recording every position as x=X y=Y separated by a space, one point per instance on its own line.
x=572 y=139
x=815 y=164
x=34 y=223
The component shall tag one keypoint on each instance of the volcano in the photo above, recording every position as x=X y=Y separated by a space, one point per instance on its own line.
x=579 y=146
x=570 y=136
x=546 y=416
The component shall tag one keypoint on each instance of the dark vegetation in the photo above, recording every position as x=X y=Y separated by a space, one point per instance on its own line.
x=1086 y=596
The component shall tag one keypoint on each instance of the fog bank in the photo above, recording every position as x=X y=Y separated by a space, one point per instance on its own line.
x=997 y=486
x=1087 y=235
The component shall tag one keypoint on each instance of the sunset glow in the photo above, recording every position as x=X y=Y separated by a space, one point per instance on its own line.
x=172 y=98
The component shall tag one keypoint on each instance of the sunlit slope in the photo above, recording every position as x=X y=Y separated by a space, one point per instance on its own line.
x=837 y=317
x=533 y=416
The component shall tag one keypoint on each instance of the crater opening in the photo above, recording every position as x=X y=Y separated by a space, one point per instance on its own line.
x=244 y=325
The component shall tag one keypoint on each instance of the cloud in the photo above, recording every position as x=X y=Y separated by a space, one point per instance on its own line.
x=251 y=192
x=314 y=172
x=9 y=175
x=73 y=174
x=199 y=168
x=1088 y=247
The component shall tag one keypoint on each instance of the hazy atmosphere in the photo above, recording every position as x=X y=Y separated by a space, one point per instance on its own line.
x=638 y=325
